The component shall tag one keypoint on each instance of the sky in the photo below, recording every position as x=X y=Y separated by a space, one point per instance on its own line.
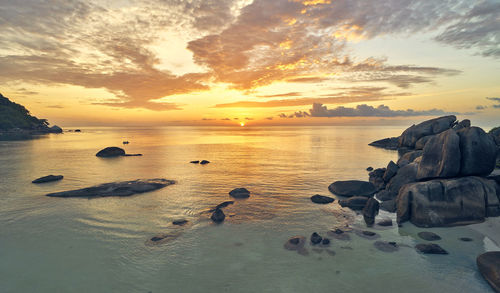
x=260 y=62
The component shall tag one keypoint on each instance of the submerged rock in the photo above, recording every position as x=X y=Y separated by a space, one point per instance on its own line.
x=339 y=234
x=352 y=188
x=48 y=178
x=239 y=193
x=180 y=222
x=465 y=239
x=321 y=199
x=386 y=246
x=429 y=236
x=222 y=205
x=110 y=152
x=125 y=188
x=430 y=248
x=489 y=266
x=445 y=202
x=295 y=243
x=218 y=216
x=354 y=203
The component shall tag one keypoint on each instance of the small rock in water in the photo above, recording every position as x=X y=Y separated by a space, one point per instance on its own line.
x=430 y=248
x=352 y=188
x=367 y=234
x=386 y=246
x=110 y=152
x=194 y=162
x=385 y=222
x=325 y=241
x=295 y=243
x=49 y=178
x=339 y=234
x=239 y=193
x=321 y=199
x=466 y=239
x=223 y=204
x=369 y=169
x=203 y=162
x=429 y=236
x=218 y=216
x=156 y=238
x=180 y=222
x=315 y=238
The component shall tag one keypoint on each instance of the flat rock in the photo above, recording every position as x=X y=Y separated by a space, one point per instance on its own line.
x=111 y=152
x=239 y=193
x=352 y=188
x=429 y=236
x=430 y=248
x=48 y=178
x=125 y=188
x=489 y=266
x=390 y=143
x=321 y=199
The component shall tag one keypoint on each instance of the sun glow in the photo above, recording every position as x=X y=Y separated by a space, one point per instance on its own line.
x=242 y=124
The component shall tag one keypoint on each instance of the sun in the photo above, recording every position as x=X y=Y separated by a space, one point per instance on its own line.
x=242 y=124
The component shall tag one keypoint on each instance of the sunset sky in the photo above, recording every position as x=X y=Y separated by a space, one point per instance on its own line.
x=264 y=62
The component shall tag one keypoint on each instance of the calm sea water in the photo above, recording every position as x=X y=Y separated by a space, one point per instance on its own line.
x=100 y=245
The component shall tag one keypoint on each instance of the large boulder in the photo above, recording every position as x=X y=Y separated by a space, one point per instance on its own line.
x=420 y=144
x=441 y=156
x=409 y=157
x=495 y=133
x=125 y=188
x=445 y=202
x=352 y=188
x=110 y=152
x=478 y=151
x=434 y=126
x=390 y=171
x=377 y=178
x=405 y=175
x=489 y=266
x=370 y=211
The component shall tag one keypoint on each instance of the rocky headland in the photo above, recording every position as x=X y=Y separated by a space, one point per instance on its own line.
x=16 y=122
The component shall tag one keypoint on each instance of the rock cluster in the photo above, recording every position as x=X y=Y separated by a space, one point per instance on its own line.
x=441 y=177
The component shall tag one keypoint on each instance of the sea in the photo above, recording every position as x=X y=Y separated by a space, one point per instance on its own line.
x=52 y=244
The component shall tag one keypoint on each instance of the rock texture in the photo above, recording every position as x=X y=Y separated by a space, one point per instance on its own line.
x=125 y=188
x=489 y=266
x=446 y=202
x=434 y=126
x=441 y=156
x=352 y=188
x=48 y=178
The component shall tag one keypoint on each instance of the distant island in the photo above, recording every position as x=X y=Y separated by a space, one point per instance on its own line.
x=16 y=122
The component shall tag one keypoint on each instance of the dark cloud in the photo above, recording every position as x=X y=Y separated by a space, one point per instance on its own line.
x=55 y=106
x=318 y=110
x=298 y=114
x=226 y=119
x=480 y=107
x=496 y=100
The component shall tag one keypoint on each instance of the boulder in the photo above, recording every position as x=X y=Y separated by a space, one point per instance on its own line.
x=409 y=157
x=462 y=124
x=239 y=193
x=489 y=266
x=377 y=178
x=430 y=248
x=478 y=151
x=420 y=144
x=321 y=199
x=316 y=239
x=445 y=202
x=325 y=242
x=405 y=175
x=354 y=203
x=390 y=143
x=383 y=195
x=55 y=129
x=434 y=126
x=125 y=188
x=352 y=188
x=441 y=156
x=110 y=152
x=390 y=171
x=370 y=211
x=218 y=216
x=48 y=178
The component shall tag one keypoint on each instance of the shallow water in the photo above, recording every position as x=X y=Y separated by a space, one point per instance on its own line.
x=101 y=245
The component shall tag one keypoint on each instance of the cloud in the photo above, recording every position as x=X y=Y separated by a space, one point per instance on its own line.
x=480 y=107
x=496 y=100
x=299 y=114
x=318 y=110
x=226 y=119
x=55 y=106
x=291 y=94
